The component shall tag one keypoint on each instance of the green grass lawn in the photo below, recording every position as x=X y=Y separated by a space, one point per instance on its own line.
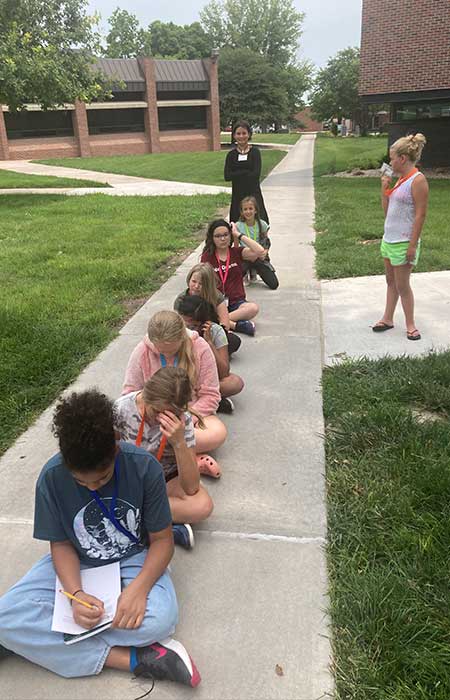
x=12 y=180
x=202 y=167
x=349 y=218
x=349 y=213
x=336 y=154
x=289 y=139
x=70 y=266
x=388 y=482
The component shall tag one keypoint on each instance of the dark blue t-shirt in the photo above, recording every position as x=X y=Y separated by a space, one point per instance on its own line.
x=64 y=510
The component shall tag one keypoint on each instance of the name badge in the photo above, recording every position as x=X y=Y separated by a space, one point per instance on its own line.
x=242 y=156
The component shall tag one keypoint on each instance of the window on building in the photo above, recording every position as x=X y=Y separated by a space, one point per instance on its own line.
x=180 y=118
x=30 y=124
x=422 y=110
x=182 y=95
x=115 y=121
x=128 y=96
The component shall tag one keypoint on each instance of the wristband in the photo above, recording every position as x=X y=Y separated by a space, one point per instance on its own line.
x=240 y=236
x=80 y=590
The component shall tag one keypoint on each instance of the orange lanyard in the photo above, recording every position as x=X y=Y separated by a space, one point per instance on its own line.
x=400 y=181
x=162 y=444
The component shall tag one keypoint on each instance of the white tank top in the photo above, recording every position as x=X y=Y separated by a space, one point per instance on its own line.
x=398 y=224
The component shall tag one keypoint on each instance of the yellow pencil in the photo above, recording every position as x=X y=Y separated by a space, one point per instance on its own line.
x=72 y=597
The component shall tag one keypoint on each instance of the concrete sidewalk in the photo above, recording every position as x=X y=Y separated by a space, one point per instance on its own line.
x=121 y=185
x=352 y=306
x=253 y=592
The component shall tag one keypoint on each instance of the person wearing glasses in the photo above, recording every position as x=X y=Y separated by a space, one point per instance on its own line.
x=226 y=259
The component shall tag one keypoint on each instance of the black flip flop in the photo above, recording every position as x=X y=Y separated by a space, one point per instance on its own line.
x=381 y=327
x=411 y=335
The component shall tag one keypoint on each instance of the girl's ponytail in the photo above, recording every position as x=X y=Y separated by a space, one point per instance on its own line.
x=168 y=326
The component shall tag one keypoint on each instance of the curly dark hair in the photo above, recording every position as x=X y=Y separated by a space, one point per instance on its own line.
x=209 y=240
x=84 y=426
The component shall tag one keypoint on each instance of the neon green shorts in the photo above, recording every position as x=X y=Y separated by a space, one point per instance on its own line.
x=396 y=252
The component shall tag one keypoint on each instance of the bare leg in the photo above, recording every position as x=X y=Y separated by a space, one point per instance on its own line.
x=245 y=312
x=212 y=436
x=231 y=385
x=402 y=277
x=391 y=295
x=185 y=508
x=118 y=657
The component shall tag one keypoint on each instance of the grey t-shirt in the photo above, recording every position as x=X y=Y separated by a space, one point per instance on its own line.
x=218 y=335
x=128 y=421
x=253 y=232
x=64 y=510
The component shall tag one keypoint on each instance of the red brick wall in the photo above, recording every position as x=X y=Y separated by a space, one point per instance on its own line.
x=192 y=140
x=4 y=148
x=309 y=124
x=118 y=144
x=151 y=113
x=51 y=147
x=81 y=128
x=213 y=112
x=405 y=46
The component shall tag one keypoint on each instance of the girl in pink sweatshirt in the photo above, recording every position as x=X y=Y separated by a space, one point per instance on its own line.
x=169 y=343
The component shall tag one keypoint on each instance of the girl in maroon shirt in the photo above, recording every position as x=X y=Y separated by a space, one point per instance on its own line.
x=226 y=259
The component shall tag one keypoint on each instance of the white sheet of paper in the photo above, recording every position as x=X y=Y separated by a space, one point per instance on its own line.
x=103 y=582
x=242 y=156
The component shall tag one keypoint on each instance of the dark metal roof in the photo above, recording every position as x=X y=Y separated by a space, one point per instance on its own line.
x=170 y=75
x=180 y=71
x=122 y=69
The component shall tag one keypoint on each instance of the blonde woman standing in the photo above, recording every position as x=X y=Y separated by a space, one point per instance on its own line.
x=405 y=208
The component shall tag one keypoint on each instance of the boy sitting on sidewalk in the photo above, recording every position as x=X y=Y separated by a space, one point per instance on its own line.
x=99 y=502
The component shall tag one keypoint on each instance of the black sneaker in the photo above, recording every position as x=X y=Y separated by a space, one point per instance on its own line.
x=183 y=535
x=167 y=661
x=225 y=406
x=247 y=327
x=4 y=652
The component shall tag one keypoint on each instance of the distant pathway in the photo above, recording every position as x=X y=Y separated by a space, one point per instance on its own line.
x=121 y=185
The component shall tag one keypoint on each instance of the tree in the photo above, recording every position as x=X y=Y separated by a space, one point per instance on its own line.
x=250 y=88
x=296 y=80
x=335 y=90
x=46 y=53
x=126 y=38
x=195 y=42
x=164 y=38
x=271 y=28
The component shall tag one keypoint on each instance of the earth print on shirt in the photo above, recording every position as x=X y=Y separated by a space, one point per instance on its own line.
x=98 y=536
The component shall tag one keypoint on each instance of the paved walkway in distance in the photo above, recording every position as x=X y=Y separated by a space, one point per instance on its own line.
x=351 y=306
x=253 y=592
x=121 y=185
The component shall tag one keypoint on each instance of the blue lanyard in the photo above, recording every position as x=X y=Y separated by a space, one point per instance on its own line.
x=110 y=513
x=164 y=361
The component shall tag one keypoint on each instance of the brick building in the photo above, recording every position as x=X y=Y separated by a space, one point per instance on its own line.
x=157 y=106
x=405 y=62
x=306 y=121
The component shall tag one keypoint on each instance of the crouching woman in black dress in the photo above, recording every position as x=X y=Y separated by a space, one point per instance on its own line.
x=243 y=168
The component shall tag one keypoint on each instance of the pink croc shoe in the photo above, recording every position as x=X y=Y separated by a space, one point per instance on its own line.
x=208 y=466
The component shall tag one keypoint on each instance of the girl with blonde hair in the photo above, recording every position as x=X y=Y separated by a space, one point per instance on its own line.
x=201 y=281
x=405 y=208
x=169 y=343
x=158 y=420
